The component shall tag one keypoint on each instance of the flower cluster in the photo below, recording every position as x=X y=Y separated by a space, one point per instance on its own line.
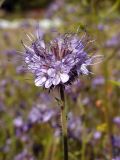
x=60 y=61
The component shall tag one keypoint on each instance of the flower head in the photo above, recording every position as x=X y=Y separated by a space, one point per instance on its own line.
x=60 y=61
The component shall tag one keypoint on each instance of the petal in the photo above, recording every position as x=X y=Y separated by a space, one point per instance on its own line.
x=35 y=58
x=56 y=80
x=39 y=81
x=48 y=83
x=33 y=66
x=40 y=72
x=64 y=77
x=83 y=69
x=51 y=72
x=27 y=60
x=94 y=60
x=42 y=44
x=65 y=68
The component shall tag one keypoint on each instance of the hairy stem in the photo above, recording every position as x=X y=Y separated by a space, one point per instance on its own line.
x=64 y=123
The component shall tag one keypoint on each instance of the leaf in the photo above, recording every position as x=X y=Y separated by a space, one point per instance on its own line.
x=115 y=83
x=58 y=101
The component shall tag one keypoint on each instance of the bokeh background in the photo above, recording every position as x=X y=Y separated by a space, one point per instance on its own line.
x=29 y=116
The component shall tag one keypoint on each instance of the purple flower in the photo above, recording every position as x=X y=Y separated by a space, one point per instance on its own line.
x=20 y=70
x=18 y=122
x=116 y=145
x=24 y=155
x=97 y=135
x=75 y=127
x=116 y=141
x=98 y=81
x=10 y=53
x=53 y=7
x=102 y=27
x=86 y=101
x=116 y=158
x=116 y=120
x=60 y=61
x=113 y=42
x=41 y=113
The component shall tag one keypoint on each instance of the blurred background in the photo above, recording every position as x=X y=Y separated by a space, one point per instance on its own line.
x=29 y=116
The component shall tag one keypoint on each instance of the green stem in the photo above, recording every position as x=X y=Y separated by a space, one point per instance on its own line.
x=107 y=110
x=64 y=124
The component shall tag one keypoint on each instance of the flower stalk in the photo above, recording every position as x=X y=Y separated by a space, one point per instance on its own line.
x=64 y=123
